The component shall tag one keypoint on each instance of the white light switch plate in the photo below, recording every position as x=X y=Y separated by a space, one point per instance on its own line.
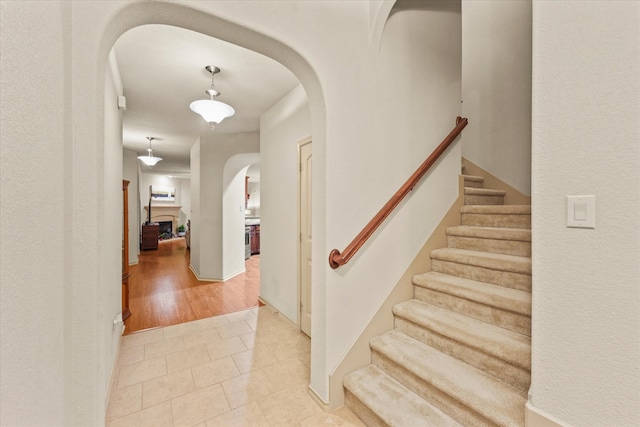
x=581 y=211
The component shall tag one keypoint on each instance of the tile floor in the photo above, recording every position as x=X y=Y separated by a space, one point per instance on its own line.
x=249 y=368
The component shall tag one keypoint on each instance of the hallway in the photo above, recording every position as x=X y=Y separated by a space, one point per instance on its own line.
x=163 y=291
x=205 y=354
x=248 y=368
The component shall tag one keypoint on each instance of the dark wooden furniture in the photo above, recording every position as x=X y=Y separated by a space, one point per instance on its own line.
x=149 y=237
x=255 y=239
x=125 y=250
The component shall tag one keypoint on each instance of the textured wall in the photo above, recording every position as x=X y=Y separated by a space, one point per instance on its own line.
x=32 y=215
x=586 y=301
x=281 y=128
x=496 y=88
x=366 y=143
x=218 y=205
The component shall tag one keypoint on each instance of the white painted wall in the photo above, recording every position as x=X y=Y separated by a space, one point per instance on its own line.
x=253 y=204
x=110 y=264
x=195 y=205
x=366 y=143
x=496 y=88
x=209 y=259
x=32 y=183
x=586 y=140
x=411 y=108
x=233 y=207
x=184 y=187
x=182 y=199
x=281 y=128
x=130 y=172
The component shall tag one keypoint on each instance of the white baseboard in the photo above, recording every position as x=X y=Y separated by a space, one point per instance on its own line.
x=114 y=371
x=321 y=403
x=213 y=279
x=534 y=417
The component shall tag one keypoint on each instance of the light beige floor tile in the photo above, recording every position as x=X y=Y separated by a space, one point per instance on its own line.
x=130 y=354
x=214 y=372
x=238 y=316
x=246 y=315
x=161 y=348
x=252 y=360
x=201 y=338
x=142 y=371
x=167 y=387
x=211 y=322
x=233 y=329
x=288 y=407
x=155 y=416
x=288 y=350
x=249 y=339
x=143 y=337
x=248 y=415
x=288 y=374
x=124 y=401
x=226 y=348
x=187 y=359
x=342 y=417
x=199 y=406
x=180 y=329
x=247 y=388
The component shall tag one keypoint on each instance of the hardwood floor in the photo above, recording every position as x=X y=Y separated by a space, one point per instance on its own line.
x=163 y=291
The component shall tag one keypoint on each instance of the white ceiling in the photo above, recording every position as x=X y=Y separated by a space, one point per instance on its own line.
x=162 y=72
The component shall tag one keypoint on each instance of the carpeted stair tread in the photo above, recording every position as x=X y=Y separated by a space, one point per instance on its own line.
x=473 y=181
x=497 y=233
x=376 y=390
x=486 y=395
x=496 y=209
x=500 y=343
x=473 y=178
x=473 y=191
x=510 y=263
x=486 y=293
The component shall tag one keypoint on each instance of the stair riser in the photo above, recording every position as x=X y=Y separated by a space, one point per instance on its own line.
x=361 y=410
x=493 y=315
x=496 y=220
x=504 y=370
x=497 y=277
x=473 y=184
x=438 y=398
x=507 y=247
x=476 y=199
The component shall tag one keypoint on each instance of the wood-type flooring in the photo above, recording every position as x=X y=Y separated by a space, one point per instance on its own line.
x=163 y=290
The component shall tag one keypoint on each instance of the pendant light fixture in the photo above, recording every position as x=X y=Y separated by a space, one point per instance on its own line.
x=149 y=159
x=213 y=112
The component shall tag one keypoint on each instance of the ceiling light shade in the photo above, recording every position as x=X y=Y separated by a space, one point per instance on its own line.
x=149 y=159
x=213 y=112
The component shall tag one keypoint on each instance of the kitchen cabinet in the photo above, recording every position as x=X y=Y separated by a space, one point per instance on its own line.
x=255 y=239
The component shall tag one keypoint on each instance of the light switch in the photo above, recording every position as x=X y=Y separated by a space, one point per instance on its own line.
x=581 y=211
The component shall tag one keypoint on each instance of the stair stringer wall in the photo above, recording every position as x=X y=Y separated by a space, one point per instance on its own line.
x=359 y=355
x=513 y=196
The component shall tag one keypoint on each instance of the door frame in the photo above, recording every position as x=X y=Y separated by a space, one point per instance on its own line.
x=300 y=144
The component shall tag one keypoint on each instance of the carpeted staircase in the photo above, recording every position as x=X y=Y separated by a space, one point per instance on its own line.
x=460 y=353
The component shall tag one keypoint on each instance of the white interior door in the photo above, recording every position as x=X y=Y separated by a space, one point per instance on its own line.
x=304 y=256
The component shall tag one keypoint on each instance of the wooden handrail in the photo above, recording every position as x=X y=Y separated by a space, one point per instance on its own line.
x=336 y=258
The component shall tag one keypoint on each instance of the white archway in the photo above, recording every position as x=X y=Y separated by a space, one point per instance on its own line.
x=233 y=207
